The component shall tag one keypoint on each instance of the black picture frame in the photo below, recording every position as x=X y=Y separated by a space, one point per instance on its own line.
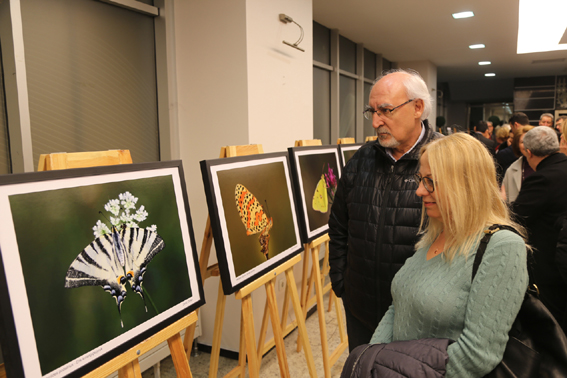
x=347 y=150
x=243 y=253
x=312 y=167
x=49 y=330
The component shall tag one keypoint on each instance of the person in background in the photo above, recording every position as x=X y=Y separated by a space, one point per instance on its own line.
x=482 y=133
x=559 y=124
x=433 y=296
x=375 y=215
x=506 y=156
x=546 y=119
x=502 y=134
x=519 y=170
x=542 y=201
x=563 y=139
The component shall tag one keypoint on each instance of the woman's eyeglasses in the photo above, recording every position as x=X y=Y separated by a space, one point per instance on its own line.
x=427 y=182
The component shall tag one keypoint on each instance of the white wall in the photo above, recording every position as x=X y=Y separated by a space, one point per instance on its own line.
x=428 y=72
x=238 y=84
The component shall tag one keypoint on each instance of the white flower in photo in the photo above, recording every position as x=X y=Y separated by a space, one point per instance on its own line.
x=132 y=224
x=141 y=214
x=127 y=200
x=115 y=221
x=100 y=229
x=113 y=206
x=126 y=217
x=153 y=228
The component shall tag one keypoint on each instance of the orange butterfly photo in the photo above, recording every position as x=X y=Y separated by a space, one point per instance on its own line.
x=253 y=215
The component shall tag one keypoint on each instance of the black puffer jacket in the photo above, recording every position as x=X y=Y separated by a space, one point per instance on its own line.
x=373 y=227
x=424 y=358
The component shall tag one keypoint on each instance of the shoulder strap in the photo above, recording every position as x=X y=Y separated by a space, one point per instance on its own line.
x=484 y=242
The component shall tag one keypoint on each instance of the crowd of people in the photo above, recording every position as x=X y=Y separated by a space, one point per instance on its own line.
x=409 y=213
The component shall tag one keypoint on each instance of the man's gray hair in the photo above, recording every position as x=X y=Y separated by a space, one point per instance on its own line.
x=546 y=115
x=541 y=141
x=415 y=88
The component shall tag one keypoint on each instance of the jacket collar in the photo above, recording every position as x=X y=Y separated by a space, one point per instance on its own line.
x=551 y=159
x=414 y=153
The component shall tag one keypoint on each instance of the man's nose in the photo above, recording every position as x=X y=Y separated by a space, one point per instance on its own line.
x=377 y=121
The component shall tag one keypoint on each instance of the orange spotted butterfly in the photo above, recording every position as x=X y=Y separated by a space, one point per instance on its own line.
x=253 y=216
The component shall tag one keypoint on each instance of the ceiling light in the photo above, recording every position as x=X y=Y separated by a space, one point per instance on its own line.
x=485 y=63
x=532 y=37
x=466 y=14
x=477 y=46
x=489 y=74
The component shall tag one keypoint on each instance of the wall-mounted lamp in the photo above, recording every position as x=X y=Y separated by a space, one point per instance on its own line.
x=286 y=19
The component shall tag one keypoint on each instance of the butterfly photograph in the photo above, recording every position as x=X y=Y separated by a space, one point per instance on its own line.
x=348 y=151
x=253 y=215
x=106 y=257
x=316 y=172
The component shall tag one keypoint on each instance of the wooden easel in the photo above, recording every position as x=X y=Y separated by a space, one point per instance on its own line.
x=346 y=141
x=371 y=138
x=127 y=363
x=247 y=347
x=317 y=278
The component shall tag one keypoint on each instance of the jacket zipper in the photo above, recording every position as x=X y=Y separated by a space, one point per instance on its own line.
x=358 y=358
x=381 y=222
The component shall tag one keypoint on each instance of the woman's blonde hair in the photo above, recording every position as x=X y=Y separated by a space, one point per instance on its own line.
x=466 y=193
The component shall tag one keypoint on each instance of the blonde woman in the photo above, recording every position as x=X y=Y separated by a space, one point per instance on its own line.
x=433 y=293
x=519 y=170
x=563 y=141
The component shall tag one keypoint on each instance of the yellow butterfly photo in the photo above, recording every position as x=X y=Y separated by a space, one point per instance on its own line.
x=320 y=198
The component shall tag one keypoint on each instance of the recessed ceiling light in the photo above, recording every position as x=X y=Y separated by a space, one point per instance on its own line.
x=535 y=38
x=485 y=63
x=489 y=74
x=463 y=15
x=477 y=46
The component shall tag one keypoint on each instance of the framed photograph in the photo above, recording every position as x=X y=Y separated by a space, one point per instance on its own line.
x=316 y=172
x=347 y=151
x=93 y=262
x=253 y=215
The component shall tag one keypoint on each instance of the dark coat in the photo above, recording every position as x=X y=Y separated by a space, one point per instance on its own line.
x=504 y=159
x=373 y=227
x=488 y=143
x=424 y=358
x=541 y=202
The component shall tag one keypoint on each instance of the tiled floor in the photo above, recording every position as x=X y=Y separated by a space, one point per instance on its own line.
x=269 y=368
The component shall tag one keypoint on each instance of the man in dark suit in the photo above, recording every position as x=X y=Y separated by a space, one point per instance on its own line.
x=482 y=133
x=541 y=202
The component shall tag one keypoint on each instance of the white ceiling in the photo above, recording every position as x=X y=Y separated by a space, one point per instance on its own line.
x=415 y=30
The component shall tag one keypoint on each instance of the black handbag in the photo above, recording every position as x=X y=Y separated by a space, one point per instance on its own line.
x=537 y=346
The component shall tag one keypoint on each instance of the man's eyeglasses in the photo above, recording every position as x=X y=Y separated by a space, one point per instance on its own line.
x=427 y=182
x=382 y=112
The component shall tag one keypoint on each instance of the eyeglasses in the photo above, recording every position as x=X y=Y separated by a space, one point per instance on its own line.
x=382 y=112
x=427 y=182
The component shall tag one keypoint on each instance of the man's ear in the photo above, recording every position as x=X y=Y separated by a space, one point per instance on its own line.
x=419 y=107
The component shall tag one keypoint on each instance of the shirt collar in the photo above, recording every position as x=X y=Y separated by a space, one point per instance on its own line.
x=389 y=150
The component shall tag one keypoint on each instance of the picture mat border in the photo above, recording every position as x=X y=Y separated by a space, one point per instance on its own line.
x=348 y=147
x=12 y=273
x=209 y=168
x=307 y=234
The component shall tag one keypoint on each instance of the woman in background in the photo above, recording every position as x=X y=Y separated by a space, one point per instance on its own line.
x=433 y=296
x=519 y=170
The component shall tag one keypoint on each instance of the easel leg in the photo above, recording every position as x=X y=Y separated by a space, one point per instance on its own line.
x=179 y=357
x=188 y=339
x=217 y=334
x=300 y=323
x=321 y=313
x=242 y=350
x=278 y=334
x=131 y=370
x=263 y=330
x=250 y=336
x=305 y=303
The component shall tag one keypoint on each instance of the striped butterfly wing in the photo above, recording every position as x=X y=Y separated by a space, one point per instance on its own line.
x=250 y=211
x=141 y=246
x=98 y=265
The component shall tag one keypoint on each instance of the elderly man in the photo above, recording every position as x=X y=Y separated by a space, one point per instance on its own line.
x=546 y=119
x=376 y=214
x=541 y=202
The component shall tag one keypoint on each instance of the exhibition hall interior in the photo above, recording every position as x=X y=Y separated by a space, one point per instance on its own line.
x=168 y=167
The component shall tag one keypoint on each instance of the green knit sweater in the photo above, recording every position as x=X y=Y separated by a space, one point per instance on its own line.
x=436 y=299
